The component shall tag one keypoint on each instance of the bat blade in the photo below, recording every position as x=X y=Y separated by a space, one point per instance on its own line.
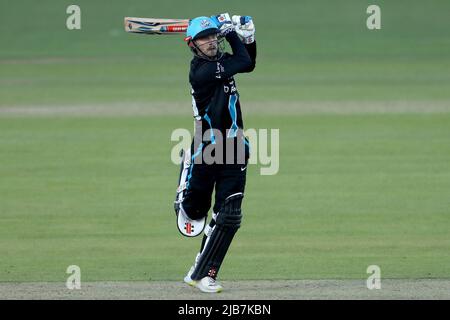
x=155 y=26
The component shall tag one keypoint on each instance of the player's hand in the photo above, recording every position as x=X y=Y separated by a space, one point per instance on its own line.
x=245 y=28
x=224 y=23
x=221 y=19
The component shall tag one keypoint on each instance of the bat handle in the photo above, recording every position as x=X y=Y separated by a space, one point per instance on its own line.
x=245 y=19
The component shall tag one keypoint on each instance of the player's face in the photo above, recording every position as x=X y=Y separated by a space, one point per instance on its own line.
x=208 y=45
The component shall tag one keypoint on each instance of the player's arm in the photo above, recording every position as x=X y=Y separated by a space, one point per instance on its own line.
x=238 y=51
x=251 y=49
x=239 y=62
x=245 y=29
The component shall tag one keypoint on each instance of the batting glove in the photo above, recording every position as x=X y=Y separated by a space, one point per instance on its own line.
x=245 y=28
x=224 y=23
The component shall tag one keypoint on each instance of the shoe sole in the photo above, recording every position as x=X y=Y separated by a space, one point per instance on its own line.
x=208 y=290
x=202 y=289
x=190 y=282
x=196 y=284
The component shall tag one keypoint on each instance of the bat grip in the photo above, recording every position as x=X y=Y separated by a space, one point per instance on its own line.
x=245 y=19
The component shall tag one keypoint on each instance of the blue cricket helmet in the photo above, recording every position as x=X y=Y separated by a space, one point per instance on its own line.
x=200 y=27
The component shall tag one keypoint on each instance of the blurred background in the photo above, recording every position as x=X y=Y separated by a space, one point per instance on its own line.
x=308 y=51
x=364 y=117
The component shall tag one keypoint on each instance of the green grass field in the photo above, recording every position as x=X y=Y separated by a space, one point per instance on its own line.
x=351 y=191
x=354 y=189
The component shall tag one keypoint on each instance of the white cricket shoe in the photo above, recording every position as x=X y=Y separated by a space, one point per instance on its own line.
x=207 y=284
x=188 y=279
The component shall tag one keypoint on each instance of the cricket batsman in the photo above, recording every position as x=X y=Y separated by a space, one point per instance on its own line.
x=211 y=164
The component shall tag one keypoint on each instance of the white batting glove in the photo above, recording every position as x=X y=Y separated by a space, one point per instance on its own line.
x=223 y=18
x=244 y=28
x=224 y=23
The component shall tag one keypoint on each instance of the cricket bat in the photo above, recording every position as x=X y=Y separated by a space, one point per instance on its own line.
x=167 y=26
x=155 y=26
